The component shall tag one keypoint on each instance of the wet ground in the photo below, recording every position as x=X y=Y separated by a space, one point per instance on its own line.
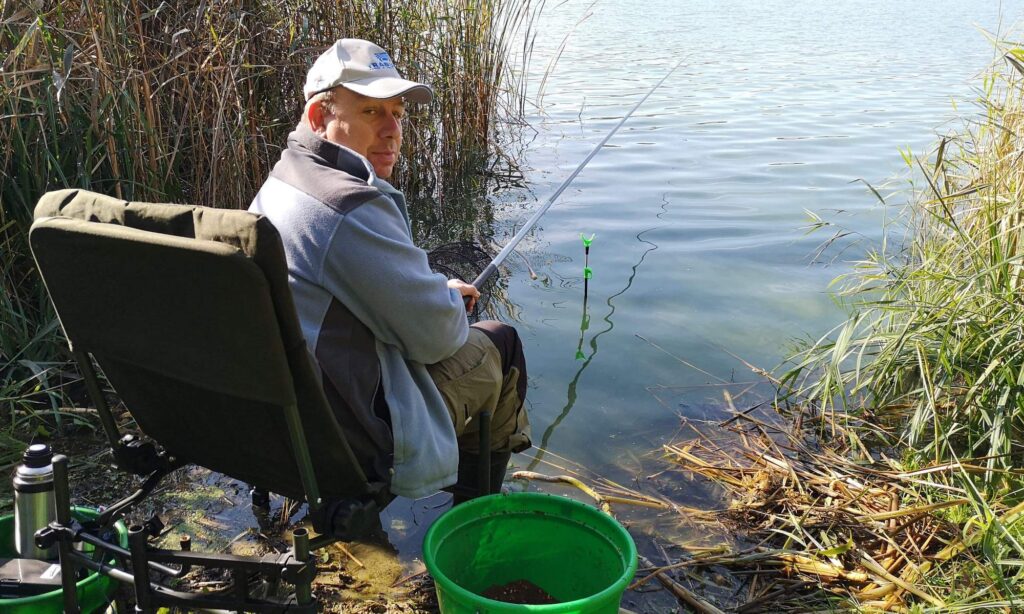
x=215 y=513
x=383 y=573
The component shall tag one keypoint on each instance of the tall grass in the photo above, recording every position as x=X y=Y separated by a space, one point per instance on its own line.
x=191 y=102
x=928 y=369
x=935 y=336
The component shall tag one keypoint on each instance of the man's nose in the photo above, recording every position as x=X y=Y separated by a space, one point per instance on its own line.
x=392 y=126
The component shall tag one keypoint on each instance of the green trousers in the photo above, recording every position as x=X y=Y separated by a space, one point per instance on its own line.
x=487 y=373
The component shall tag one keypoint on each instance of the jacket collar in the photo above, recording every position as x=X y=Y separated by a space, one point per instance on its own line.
x=339 y=157
x=346 y=160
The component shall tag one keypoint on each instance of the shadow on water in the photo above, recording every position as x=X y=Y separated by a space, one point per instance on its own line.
x=571 y=394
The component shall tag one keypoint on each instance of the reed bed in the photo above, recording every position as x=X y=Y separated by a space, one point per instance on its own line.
x=932 y=348
x=191 y=102
x=817 y=517
x=897 y=482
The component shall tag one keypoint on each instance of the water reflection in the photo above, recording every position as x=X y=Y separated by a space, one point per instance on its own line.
x=585 y=323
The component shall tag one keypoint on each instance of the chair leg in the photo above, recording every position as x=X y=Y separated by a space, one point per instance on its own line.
x=300 y=550
x=260 y=498
x=484 y=468
x=480 y=474
x=467 y=486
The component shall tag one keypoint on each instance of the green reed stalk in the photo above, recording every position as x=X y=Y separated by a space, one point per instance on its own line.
x=929 y=365
x=936 y=330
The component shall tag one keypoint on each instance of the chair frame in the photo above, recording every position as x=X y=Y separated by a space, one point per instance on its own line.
x=143 y=458
x=340 y=518
x=297 y=567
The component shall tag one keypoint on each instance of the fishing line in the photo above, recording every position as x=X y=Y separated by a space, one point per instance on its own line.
x=503 y=254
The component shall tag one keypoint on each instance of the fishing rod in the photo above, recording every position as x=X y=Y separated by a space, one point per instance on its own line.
x=494 y=264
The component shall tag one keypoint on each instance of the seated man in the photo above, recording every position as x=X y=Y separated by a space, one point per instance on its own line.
x=400 y=365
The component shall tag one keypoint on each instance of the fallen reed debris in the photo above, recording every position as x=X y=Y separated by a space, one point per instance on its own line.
x=603 y=500
x=682 y=593
x=861 y=529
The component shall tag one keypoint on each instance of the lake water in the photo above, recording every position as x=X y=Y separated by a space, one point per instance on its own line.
x=698 y=202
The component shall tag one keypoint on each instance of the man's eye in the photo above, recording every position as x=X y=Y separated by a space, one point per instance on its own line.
x=370 y=111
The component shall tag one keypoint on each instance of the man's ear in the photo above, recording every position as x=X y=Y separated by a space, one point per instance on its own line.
x=315 y=117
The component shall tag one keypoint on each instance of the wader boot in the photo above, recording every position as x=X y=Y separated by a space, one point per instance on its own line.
x=468 y=486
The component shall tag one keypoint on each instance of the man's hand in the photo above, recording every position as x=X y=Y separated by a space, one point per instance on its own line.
x=468 y=291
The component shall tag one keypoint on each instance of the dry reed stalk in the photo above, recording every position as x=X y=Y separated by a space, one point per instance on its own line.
x=685 y=595
x=603 y=500
x=344 y=550
x=565 y=479
x=858 y=530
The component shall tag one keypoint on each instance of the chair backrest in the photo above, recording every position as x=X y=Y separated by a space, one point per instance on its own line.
x=188 y=313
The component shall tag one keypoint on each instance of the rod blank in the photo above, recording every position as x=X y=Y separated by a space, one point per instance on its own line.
x=493 y=266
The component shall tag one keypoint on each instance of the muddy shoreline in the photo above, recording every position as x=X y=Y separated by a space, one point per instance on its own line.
x=370 y=576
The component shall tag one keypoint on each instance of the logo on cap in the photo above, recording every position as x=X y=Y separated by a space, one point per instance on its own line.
x=383 y=62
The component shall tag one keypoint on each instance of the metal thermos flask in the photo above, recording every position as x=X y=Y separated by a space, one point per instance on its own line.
x=34 y=506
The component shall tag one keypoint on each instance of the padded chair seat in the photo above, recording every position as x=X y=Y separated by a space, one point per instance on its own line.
x=187 y=311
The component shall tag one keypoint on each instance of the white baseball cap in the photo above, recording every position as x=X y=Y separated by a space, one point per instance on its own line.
x=364 y=68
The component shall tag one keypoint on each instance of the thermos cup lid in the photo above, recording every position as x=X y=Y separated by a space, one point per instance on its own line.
x=37 y=455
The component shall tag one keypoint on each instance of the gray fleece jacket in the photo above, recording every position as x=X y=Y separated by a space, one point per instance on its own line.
x=372 y=312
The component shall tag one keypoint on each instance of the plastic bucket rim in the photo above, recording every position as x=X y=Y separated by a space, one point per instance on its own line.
x=618 y=586
x=80 y=586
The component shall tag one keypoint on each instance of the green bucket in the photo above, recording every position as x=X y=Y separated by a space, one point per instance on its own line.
x=578 y=555
x=94 y=591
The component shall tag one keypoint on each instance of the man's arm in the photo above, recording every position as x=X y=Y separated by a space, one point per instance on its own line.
x=373 y=267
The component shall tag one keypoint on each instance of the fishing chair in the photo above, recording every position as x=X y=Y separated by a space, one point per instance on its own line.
x=188 y=313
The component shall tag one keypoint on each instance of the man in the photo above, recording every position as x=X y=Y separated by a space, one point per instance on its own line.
x=400 y=366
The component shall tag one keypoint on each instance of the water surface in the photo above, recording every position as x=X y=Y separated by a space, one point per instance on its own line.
x=699 y=202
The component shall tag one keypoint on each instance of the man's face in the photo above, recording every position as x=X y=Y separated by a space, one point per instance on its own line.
x=370 y=126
